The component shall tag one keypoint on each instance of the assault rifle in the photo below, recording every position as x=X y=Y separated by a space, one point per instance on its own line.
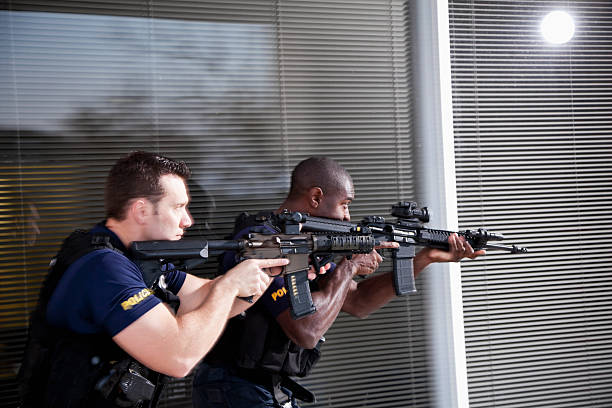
x=155 y=256
x=305 y=239
x=409 y=232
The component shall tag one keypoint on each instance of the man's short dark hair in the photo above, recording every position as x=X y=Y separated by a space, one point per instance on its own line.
x=138 y=175
x=318 y=171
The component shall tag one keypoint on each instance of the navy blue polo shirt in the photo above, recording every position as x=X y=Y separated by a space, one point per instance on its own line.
x=104 y=291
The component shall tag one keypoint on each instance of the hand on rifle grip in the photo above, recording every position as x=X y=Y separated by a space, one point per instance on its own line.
x=250 y=276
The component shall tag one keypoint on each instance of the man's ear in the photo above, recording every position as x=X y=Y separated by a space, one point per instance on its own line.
x=140 y=210
x=315 y=196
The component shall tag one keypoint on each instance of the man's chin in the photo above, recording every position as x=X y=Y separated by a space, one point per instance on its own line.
x=171 y=238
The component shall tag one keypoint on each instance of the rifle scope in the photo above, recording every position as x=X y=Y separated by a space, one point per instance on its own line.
x=409 y=210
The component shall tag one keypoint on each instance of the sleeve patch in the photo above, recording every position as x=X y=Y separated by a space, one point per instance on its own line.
x=279 y=293
x=136 y=299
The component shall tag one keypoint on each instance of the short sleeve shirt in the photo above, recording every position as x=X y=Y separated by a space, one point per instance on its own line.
x=275 y=298
x=104 y=291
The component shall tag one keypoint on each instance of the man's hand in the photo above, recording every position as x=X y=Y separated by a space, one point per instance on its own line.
x=252 y=277
x=459 y=248
x=366 y=264
x=322 y=270
x=312 y=274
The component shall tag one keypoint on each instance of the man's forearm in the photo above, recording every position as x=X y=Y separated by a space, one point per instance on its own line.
x=240 y=305
x=371 y=294
x=420 y=261
x=199 y=329
x=375 y=292
x=173 y=345
x=332 y=294
x=334 y=288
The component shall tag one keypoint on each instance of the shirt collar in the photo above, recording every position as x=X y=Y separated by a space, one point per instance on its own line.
x=101 y=229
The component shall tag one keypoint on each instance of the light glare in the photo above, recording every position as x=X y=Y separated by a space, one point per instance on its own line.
x=558 y=27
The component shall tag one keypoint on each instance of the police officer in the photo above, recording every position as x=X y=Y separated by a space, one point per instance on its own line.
x=252 y=364
x=100 y=336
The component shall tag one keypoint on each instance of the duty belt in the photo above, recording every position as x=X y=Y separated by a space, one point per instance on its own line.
x=275 y=383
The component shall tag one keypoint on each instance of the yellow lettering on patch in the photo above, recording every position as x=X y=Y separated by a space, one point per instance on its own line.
x=136 y=299
x=279 y=293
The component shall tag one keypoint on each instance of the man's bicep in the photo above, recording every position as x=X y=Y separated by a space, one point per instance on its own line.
x=149 y=338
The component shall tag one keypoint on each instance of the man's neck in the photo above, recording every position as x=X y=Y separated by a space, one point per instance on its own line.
x=123 y=231
x=292 y=205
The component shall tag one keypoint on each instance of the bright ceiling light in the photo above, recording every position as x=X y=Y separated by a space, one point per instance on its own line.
x=558 y=27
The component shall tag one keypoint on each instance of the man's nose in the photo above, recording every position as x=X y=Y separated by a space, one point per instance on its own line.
x=187 y=220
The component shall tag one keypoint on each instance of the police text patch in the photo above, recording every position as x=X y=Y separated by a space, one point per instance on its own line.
x=136 y=299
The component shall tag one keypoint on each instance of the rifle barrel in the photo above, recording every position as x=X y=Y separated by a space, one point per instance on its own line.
x=227 y=245
x=512 y=249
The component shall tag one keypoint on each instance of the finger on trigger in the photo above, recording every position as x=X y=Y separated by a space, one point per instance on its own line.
x=269 y=263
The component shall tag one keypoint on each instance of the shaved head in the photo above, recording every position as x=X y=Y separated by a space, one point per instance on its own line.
x=321 y=172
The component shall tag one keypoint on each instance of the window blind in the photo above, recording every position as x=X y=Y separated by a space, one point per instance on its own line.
x=532 y=139
x=241 y=90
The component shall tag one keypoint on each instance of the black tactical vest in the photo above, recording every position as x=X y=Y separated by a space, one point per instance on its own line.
x=61 y=368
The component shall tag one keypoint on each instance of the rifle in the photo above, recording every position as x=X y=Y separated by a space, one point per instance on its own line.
x=409 y=232
x=154 y=257
x=318 y=241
